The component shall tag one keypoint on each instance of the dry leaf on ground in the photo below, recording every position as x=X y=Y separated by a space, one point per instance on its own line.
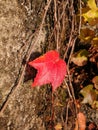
x=80 y=122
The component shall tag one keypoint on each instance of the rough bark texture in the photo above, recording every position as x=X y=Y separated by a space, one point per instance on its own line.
x=16 y=25
x=12 y=31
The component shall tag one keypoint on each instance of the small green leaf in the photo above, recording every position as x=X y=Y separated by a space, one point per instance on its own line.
x=80 y=58
x=89 y=94
x=83 y=52
x=86 y=89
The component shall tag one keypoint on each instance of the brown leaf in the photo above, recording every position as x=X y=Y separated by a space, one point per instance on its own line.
x=86 y=35
x=95 y=81
x=80 y=122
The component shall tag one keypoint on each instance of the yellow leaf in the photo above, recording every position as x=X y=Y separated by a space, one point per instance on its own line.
x=58 y=104
x=92 y=5
x=95 y=41
x=95 y=38
x=58 y=126
x=92 y=13
x=95 y=104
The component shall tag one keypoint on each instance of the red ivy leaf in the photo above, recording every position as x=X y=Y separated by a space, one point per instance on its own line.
x=50 y=69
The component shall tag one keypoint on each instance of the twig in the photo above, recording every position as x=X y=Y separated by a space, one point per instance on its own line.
x=65 y=124
x=71 y=45
x=72 y=31
x=40 y=29
x=56 y=22
x=71 y=41
x=80 y=16
x=52 y=114
x=69 y=92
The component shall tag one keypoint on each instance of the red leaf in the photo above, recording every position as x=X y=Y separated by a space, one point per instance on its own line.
x=50 y=69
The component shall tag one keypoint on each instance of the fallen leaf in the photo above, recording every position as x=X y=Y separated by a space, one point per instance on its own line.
x=95 y=105
x=86 y=35
x=89 y=94
x=80 y=57
x=76 y=125
x=80 y=122
x=93 y=22
x=95 y=81
x=93 y=12
x=58 y=126
x=58 y=104
x=92 y=5
x=95 y=41
x=50 y=69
